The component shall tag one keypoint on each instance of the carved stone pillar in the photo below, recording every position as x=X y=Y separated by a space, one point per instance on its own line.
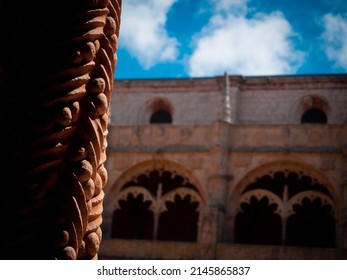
x=207 y=237
x=218 y=181
x=57 y=65
x=218 y=190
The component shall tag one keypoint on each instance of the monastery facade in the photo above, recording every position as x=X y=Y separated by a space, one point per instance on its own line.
x=227 y=167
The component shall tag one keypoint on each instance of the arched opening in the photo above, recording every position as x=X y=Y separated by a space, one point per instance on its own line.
x=180 y=221
x=157 y=205
x=133 y=220
x=288 y=208
x=312 y=225
x=314 y=115
x=310 y=109
x=258 y=223
x=161 y=117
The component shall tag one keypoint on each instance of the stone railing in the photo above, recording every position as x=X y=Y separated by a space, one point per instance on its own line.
x=263 y=138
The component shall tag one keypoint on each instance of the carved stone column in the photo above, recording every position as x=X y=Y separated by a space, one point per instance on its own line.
x=207 y=237
x=219 y=178
x=57 y=62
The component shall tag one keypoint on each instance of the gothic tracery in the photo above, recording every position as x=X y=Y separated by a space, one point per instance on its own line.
x=289 y=200
x=173 y=202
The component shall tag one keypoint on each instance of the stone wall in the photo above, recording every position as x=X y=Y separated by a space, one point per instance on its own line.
x=253 y=100
x=192 y=102
x=224 y=149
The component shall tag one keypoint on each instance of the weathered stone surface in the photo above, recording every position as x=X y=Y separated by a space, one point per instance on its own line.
x=57 y=67
x=222 y=149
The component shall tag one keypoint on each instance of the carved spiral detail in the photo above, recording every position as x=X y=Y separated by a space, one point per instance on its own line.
x=58 y=167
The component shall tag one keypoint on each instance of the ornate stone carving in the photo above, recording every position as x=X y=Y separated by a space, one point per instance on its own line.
x=285 y=205
x=182 y=192
x=136 y=191
x=158 y=202
x=56 y=85
x=162 y=188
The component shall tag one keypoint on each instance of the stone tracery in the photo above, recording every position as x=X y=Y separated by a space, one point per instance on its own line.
x=298 y=192
x=163 y=190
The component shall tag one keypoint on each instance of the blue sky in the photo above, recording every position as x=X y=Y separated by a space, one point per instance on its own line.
x=204 y=38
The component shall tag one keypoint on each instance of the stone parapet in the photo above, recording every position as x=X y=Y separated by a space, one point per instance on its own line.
x=241 y=138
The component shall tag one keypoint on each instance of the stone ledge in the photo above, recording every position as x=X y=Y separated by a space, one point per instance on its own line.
x=145 y=249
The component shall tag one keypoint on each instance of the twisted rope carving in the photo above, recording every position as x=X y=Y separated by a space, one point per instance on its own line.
x=56 y=144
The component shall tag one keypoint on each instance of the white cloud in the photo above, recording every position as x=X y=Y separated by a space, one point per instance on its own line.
x=335 y=38
x=143 y=32
x=231 y=42
x=233 y=6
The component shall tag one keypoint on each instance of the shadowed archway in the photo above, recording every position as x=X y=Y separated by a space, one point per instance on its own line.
x=286 y=207
x=157 y=204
